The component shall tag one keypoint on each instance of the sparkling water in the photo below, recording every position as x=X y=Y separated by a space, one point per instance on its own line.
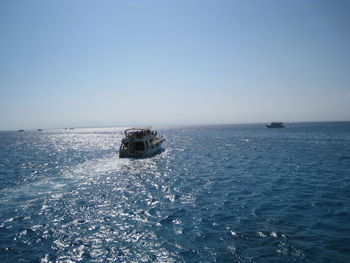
x=233 y=193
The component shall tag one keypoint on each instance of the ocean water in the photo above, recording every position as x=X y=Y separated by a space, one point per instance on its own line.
x=234 y=193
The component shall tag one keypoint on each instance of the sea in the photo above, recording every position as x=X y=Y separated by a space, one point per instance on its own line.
x=220 y=193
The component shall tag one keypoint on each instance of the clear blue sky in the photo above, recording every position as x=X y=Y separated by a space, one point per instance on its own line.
x=88 y=63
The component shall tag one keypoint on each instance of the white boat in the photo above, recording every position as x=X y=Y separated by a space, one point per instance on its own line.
x=275 y=125
x=140 y=142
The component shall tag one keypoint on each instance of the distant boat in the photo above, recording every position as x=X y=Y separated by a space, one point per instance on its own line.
x=40 y=129
x=140 y=142
x=275 y=125
x=20 y=130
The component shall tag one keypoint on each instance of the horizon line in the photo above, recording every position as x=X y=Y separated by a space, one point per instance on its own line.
x=165 y=125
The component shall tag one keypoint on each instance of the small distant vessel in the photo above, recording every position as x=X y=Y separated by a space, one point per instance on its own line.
x=275 y=125
x=140 y=142
x=20 y=130
x=40 y=129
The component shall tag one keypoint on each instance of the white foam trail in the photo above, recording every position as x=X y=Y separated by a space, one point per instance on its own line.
x=56 y=185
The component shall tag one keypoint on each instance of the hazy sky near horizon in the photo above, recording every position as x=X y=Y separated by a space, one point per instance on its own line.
x=95 y=63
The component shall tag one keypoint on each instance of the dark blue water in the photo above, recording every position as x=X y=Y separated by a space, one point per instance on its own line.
x=239 y=193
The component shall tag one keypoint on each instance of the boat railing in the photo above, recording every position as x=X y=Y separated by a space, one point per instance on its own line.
x=135 y=133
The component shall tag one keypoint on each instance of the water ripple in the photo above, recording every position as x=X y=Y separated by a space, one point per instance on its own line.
x=216 y=194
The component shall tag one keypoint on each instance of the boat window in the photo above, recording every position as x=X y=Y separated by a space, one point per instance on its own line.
x=139 y=146
x=125 y=146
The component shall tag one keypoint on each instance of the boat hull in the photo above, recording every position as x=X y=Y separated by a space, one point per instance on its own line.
x=140 y=154
x=275 y=125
